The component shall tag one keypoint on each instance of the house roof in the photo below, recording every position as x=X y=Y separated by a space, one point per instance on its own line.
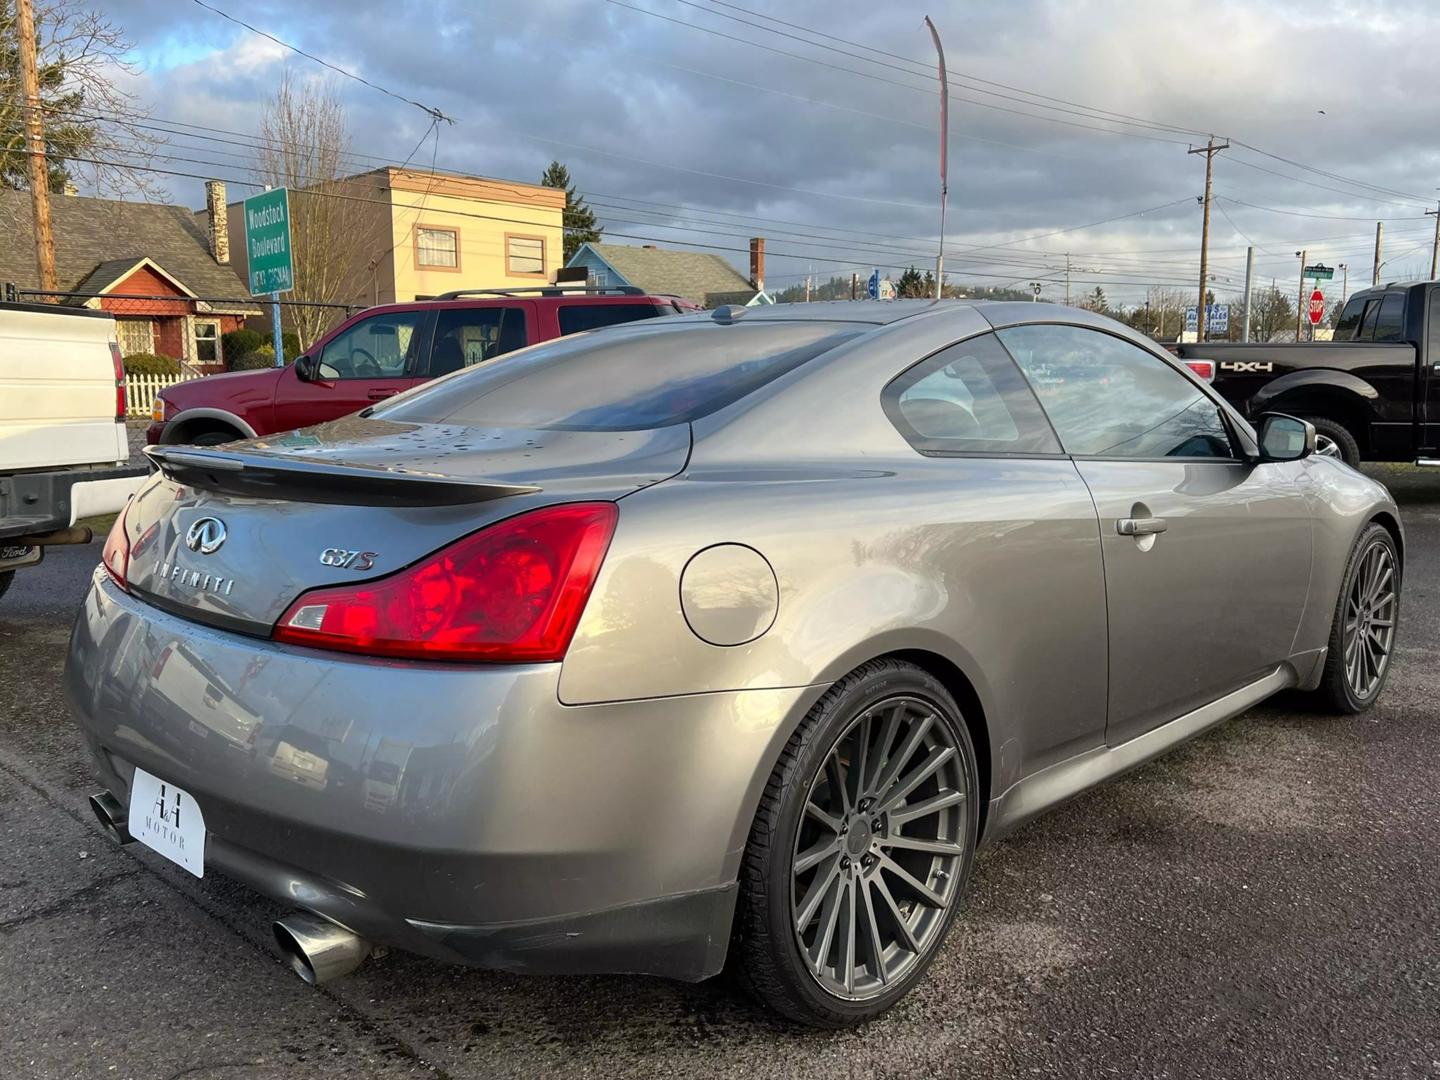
x=704 y=278
x=96 y=237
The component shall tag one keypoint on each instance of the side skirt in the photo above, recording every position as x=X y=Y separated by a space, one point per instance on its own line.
x=1038 y=792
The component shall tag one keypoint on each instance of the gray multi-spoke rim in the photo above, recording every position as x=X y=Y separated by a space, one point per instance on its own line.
x=1369 y=631
x=1327 y=447
x=879 y=851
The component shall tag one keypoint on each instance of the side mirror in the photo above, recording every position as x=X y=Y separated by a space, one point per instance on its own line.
x=305 y=368
x=1285 y=438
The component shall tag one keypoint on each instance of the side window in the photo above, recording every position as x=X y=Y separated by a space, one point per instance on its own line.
x=1390 y=323
x=577 y=317
x=1433 y=329
x=380 y=347
x=1367 y=320
x=968 y=399
x=468 y=336
x=1109 y=398
x=1349 y=323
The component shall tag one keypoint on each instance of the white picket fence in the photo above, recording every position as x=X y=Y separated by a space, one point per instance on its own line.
x=140 y=391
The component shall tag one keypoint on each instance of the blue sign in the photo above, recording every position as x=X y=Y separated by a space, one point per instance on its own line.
x=1217 y=319
x=872 y=288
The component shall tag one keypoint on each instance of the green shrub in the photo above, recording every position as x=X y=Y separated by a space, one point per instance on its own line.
x=263 y=357
x=291 y=341
x=151 y=364
x=240 y=342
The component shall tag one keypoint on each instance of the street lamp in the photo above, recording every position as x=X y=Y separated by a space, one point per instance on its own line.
x=1345 y=283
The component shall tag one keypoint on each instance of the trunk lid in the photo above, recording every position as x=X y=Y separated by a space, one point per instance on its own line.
x=355 y=499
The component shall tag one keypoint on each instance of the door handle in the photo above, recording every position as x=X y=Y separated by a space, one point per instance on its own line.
x=381 y=395
x=1148 y=526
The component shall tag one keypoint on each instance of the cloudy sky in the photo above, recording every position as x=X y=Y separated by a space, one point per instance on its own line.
x=701 y=122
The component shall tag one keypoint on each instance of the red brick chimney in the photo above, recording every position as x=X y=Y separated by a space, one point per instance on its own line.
x=757 y=263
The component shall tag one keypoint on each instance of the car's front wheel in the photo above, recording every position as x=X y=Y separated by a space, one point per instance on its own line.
x=861 y=849
x=1362 y=636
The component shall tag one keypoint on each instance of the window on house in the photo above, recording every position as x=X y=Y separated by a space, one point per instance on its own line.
x=439 y=248
x=207 y=341
x=136 y=336
x=524 y=255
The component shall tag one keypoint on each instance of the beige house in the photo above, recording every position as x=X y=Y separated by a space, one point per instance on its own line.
x=414 y=234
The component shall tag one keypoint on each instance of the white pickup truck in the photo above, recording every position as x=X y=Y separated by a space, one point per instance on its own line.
x=64 y=455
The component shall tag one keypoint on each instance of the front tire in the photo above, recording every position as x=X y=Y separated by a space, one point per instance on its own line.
x=1333 y=439
x=861 y=849
x=1367 y=613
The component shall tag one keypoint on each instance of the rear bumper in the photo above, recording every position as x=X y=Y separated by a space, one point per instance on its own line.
x=38 y=502
x=460 y=812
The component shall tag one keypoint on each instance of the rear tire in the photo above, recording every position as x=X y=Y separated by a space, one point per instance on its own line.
x=215 y=438
x=6 y=577
x=829 y=932
x=1367 y=615
x=1333 y=439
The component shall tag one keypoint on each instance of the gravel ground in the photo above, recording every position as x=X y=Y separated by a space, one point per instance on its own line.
x=1260 y=903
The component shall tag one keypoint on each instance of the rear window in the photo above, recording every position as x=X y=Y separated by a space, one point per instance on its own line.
x=630 y=380
x=1390 y=323
x=575 y=318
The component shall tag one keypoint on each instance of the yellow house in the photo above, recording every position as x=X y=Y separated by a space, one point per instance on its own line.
x=412 y=234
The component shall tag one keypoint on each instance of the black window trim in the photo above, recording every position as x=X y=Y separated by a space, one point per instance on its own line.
x=1227 y=414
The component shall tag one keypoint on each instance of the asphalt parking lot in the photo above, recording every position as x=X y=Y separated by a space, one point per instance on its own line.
x=1261 y=903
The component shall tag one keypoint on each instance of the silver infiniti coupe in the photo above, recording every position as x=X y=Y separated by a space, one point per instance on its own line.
x=726 y=635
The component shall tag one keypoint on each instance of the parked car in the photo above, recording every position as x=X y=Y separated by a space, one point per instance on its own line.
x=384 y=350
x=1373 y=393
x=64 y=454
x=729 y=633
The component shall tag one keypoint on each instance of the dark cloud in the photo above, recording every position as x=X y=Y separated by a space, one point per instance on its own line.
x=620 y=97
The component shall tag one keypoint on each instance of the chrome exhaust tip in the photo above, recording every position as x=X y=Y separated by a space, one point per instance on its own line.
x=112 y=817
x=318 y=949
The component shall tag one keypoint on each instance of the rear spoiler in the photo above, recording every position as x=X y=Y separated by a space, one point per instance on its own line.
x=309 y=480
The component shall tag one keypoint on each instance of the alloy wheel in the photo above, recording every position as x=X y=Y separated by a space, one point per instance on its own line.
x=879 y=852
x=1327 y=447
x=1369 y=631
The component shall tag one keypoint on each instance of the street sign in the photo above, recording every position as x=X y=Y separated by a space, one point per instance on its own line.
x=267 y=243
x=1320 y=272
x=872 y=287
x=1317 y=307
x=1217 y=318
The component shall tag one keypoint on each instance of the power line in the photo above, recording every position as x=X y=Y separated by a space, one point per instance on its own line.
x=434 y=113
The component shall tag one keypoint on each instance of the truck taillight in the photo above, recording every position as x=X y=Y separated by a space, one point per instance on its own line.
x=119 y=382
x=1204 y=368
x=116 y=553
x=510 y=593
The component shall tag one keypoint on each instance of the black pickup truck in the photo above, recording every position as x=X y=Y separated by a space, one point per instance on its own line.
x=1373 y=393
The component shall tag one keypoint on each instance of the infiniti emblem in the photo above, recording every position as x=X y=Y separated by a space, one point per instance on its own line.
x=205 y=536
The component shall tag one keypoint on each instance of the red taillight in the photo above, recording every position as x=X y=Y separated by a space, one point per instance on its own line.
x=116 y=553
x=119 y=382
x=1204 y=368
x=512 y=593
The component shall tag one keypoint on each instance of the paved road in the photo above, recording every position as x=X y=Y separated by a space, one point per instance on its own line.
x=1262 y=903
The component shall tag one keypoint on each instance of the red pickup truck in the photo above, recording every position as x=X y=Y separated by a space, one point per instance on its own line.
x=384 y=350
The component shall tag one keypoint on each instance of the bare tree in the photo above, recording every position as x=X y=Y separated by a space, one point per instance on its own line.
x=303 y=146
x=96 y=134
x=1273 y=315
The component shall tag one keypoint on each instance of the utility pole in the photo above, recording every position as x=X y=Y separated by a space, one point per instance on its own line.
x=35 y=149
x=1300 y=295
x=1249 y=277
x=1209 y=150
x=1435 y=251
x=854 y=285
x=1379 y=235
x=1067 y=279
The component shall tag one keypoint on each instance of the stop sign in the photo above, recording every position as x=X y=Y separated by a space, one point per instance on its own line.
x=1317 y=307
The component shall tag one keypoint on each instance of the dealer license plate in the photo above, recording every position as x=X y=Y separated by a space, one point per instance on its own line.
x=167 y=820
